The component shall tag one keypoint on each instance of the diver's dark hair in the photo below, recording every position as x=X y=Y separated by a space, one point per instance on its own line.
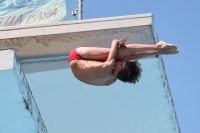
x=131 y=73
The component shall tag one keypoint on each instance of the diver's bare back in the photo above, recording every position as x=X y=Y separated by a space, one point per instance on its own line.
x=92 y=72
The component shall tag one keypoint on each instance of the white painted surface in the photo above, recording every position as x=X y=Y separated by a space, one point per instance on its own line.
x=54 y=40
x=6 y=59
x=58 y=39
x=14 y=117
x=18 y=112
x=28 y=97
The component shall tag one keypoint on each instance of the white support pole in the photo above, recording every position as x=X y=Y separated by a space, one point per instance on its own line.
x=79 y=9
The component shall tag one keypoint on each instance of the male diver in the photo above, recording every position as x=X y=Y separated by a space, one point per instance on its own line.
x=103 y=66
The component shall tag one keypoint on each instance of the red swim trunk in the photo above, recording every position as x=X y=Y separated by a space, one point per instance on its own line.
x=74 y=56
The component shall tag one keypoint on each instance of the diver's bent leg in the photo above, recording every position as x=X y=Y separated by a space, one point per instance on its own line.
x=135 y=48
x=138 y=55
x=161 y=48
x=97 y=53
x=93 y=53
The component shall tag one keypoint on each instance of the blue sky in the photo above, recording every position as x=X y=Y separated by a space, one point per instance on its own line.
x=176 y=22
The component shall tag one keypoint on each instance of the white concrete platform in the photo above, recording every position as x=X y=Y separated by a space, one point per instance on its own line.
x=58 y=39
x=19 y=111
x=39 y=45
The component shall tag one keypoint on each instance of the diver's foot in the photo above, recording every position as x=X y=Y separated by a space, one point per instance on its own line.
x=165 y=48
x=122 y=41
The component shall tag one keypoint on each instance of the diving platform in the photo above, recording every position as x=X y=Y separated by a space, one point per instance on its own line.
x=67 y=105
x=19 y=111
x=54 y=41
